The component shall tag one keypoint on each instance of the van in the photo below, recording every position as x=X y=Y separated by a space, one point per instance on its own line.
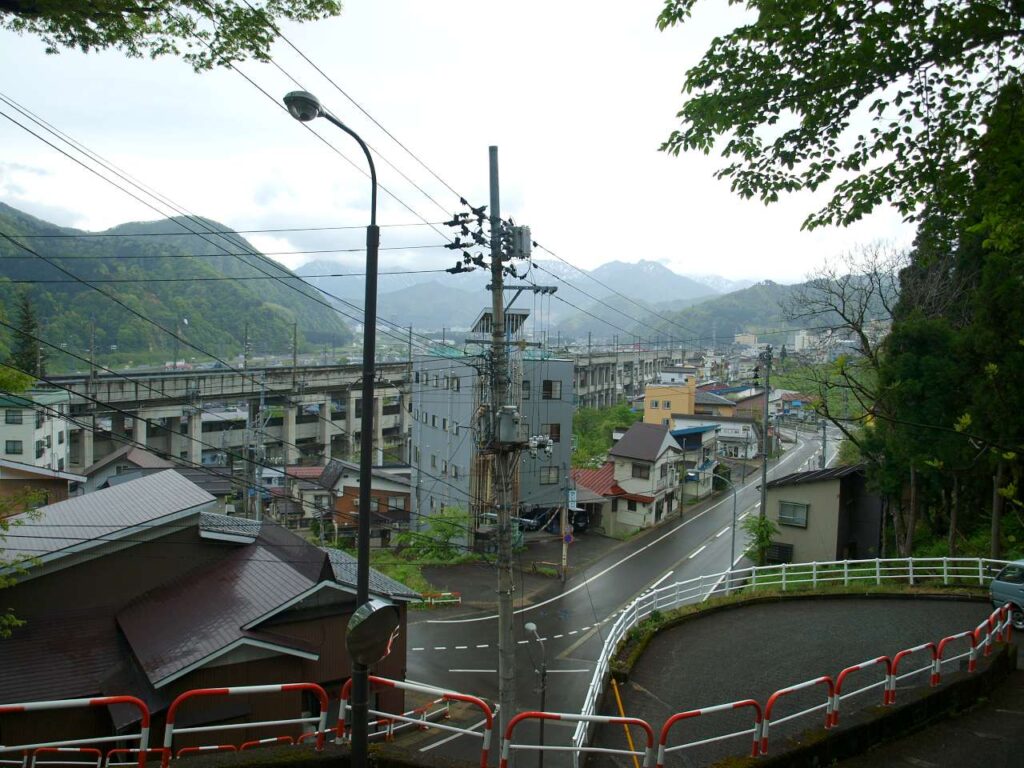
x=1008 y=587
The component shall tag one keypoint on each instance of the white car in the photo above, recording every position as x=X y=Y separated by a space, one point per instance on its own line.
x=1008 y=587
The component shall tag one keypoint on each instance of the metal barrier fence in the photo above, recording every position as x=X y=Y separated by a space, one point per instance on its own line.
x=441 y=598
x=807 y=576
x=441 y=693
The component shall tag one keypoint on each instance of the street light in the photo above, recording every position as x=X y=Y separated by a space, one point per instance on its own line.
x=304 y=107
x=732 y=538
x=531 y=627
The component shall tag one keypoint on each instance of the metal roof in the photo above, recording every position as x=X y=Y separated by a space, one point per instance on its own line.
x=89 y=521
x=641 y=441
x=817 y=475
x=228 y=525
x=32 y=469
x=344 y=566
x=710 y=398
x=133 y=454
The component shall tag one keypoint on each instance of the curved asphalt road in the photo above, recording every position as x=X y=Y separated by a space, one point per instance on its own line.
x=460 y=653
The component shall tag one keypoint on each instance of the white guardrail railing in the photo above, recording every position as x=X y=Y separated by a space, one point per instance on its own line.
x=797 y=576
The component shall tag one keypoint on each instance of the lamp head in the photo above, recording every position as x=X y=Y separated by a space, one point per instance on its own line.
x=303 y=106
x=530 y=627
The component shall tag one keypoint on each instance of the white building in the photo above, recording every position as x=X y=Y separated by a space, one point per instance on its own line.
x=34 y=429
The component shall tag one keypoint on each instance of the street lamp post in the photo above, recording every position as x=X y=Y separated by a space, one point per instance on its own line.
x=531 y=627
x=305 y=107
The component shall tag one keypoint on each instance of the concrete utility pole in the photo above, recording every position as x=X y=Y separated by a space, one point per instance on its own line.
x=502 y=467
x=766 y=360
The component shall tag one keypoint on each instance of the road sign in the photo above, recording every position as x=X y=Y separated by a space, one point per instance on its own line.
x=567 y=538
x=572 y=498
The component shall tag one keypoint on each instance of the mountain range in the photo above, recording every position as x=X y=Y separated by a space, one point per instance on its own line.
x=212 y=288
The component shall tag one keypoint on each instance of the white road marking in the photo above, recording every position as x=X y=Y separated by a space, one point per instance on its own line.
x=483 y=645
x=523 y=642
x=565 y=671
x=488 y=671
x=723 y=531
x=461 y=647
x=698 y=551
x=555 y=637
x=419 y=649
x=573 y=632
x=658 y=582
x=440 y=648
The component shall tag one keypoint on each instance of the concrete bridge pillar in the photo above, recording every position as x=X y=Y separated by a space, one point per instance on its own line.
x=117 y=428
x=378 y=430
x=174 y=436
x=350 y=423
x=87 y=455
x=291 y=453
x=326 y=429
x=195 y=438
x=140 y=429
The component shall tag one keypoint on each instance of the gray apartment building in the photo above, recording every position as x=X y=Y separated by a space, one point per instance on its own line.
x=448 y=400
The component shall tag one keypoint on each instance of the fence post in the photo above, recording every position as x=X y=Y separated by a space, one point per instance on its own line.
x=878 y=571
x=814 y=575
x=783 y=577
x=981 y=572
x=910 y=570
x=945 y=570
x=846 y=573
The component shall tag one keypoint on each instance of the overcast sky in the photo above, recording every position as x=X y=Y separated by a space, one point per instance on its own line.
x=577 y=96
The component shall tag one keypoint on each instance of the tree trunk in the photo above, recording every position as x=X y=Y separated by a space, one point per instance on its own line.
x=954 y=503
x=908 y=542
x=997 y=511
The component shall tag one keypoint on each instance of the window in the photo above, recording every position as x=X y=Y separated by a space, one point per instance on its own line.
x=641 y=471
x=60 y=465
x=444 y=468
x=13 y=417
x=455 y=470
x=793 y=513
x=433 y=420
x=664 y=471
x=416 y=454
x=60 y=438
x=526 y=390
x=433 y=461
x=49 y=441
x=416 y=415
x=39 y=419
x=631 y=505
x=665 y=422
x=13 y=446
x=549 y=475
x=444 y=424
x=416 y=377
x=552 y=390
x=40 y=448
x=666 y=404
x=455 y=383
x=424 y=417
x=654 y=404
x=396 y=503
x=552 y=431
x=615 y=505
x=1012 y=574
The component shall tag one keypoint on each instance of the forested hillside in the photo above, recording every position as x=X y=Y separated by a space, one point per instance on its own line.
x=168 y=275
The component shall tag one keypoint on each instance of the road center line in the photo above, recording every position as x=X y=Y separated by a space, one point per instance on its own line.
x=723 y=531
x=658 y=582
x=698 y=551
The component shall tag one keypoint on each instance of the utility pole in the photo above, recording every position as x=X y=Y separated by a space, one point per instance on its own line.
x=245 y=347
x=824 y=443
x=502 y=467
x=765 y=359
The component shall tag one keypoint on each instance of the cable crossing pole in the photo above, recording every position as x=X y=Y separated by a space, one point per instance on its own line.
x=502 y=467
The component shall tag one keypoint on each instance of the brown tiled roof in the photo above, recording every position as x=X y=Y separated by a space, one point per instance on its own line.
x=600 y=481
x=206 y=611
x=131 y=453
x=642 y=442
x=304 y=473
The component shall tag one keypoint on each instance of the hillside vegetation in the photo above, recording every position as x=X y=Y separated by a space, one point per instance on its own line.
x=170 y=277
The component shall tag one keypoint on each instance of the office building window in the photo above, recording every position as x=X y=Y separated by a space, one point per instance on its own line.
x=526 y=389
x=13 y=417
x=60 y=438
x=444 y=425
x=641 y=471
x=13 y=447
x=433 y=420
x=455 y=470
x=549 y=475
x=793 y=513
x=455 y=383
x=552 y=390
x=444 y=468
x=433 y=461
x=552 y=431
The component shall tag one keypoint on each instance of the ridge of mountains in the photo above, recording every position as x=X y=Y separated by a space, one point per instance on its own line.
x=218 y=283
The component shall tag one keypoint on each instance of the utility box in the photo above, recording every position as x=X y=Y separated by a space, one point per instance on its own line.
x=512 y=429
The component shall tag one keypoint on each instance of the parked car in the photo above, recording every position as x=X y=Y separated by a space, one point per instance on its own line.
x=1008 y=587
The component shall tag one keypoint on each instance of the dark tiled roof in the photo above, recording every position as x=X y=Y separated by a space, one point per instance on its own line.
x=817 y=476
x=216 y=482
x=88 y=521
x=641 y=441
x=710 y=398
x=130 y=453
x=187 y=621
x=227 y=524
x=344 y=566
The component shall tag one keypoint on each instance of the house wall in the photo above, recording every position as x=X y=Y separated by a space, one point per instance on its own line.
x=680 y=399
x=816 y=542
x=51 y=489
x=45 y=439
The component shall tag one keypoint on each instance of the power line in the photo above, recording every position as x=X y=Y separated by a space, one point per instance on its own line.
x=85 y=235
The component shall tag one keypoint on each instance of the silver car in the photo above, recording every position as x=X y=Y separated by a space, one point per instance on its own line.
x=1008 y=587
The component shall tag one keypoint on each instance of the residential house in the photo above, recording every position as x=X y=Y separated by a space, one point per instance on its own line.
x=644 y=469
x=738 y=438
x=145 y=592
x=302 y=498
x=710 y=404
x=26 y=485
x=125 y=459
x=823 y=515
x=390 y=499
x=700 y=451
x=34 y=429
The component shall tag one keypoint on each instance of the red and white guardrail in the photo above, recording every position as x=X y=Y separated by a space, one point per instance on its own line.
x=320 y=720
x=441 y=693
x=887 y=685
x=823 y=680
x=507 y=745
x=756 y=731
x=92 y=755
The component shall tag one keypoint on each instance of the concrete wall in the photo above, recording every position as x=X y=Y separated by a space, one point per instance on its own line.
x=816 y=542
